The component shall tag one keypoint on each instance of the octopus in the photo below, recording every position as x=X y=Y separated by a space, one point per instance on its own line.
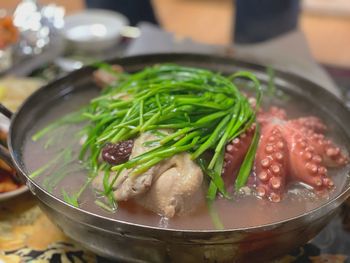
x=289 y=150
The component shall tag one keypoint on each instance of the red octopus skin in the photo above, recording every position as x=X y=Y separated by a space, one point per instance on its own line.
x=306 y=154
x=306 y=165
x=288 y=150
x=234 y=155
x=331 y=154
x=238 y=147
x=271 y=164
x=310 y=123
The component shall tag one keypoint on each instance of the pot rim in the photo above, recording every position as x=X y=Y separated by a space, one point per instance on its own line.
x=334 y=202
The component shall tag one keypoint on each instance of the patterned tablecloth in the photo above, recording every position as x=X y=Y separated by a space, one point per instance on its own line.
x=27 y=235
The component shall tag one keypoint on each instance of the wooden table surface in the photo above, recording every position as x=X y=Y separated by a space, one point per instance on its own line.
x=210 y=21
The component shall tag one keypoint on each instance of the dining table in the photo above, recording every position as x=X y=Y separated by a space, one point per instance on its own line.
x=27 y=234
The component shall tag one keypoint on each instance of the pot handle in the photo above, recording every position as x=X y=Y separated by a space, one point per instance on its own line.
x=347 y=100
x=5 y=111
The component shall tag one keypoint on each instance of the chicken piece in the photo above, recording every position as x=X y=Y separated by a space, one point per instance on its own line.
x=127 y=187
x=173 y=186
x=177 y=190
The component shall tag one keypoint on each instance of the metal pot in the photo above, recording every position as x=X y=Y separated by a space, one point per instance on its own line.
x=137 y=243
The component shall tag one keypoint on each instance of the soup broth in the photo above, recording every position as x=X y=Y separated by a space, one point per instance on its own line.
x=244 y=210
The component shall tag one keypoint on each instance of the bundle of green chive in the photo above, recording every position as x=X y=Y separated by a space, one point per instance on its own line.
x=204 y=111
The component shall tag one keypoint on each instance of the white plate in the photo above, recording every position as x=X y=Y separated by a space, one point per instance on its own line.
x=14 y=193
x=94 y=29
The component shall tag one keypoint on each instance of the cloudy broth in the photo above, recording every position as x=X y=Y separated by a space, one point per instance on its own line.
x=245 y=210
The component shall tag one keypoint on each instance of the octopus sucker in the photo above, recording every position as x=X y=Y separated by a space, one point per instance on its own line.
x=328 y=182
x=295 y=150
x=271 y=164
x=279 y=156
x=229 y=148
x=263 y=176
x=311 y=167
x=306 y=155
x=275 y=182
x=265 y=163
x=275 y=169
x=261 y=191
x=269 y=149
x=317 y=159
x=275 y=197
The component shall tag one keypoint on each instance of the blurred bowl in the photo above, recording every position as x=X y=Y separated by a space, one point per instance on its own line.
x=94 y=29
x=11 y=194
x=13 y=91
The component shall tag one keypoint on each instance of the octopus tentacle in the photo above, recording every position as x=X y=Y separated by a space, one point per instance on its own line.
x=331 y=154
x=278 y=113
x=309 y=123
x=272 y=113
x=235 y=153
x=288 y=150
x=271 y=164
x=306 y=165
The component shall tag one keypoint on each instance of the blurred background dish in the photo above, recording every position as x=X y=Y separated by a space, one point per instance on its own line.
x=94 y=30
x=9 y=186
x=13 y=91
x=13 y=193
x=29 y=36
x=8 y=37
